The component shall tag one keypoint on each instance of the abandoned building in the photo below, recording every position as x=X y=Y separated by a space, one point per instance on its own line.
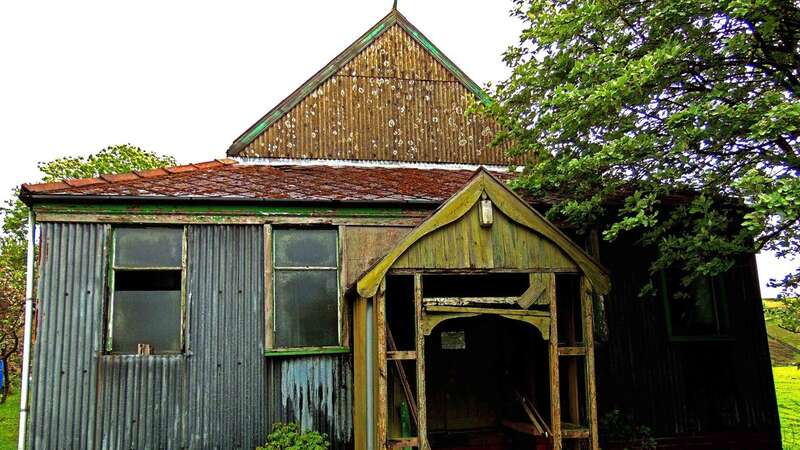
x=358 y=265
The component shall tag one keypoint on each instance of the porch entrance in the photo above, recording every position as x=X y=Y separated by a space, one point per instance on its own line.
x=476 y=332
x=481 y=374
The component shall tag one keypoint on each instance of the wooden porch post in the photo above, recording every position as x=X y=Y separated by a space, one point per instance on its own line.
x=555 y=400
x=588 y=311
x=422 y=421
x=381 y=398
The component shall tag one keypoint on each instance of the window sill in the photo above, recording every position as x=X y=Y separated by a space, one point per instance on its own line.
x=302 y=351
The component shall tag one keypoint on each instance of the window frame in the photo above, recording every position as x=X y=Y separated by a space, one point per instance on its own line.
x=721 y=305
x=111 y=275
x=270 y=348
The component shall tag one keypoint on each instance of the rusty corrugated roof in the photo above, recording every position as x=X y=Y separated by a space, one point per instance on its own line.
x=228 y=179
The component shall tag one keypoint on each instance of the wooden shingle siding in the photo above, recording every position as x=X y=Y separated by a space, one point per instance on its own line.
x=465 y=244
x=393 y=101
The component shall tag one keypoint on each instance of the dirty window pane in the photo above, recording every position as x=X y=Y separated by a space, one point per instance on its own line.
x=148 y=247
x=146 y=317
x=306 y=308
x=305 y=248
x=699 y=309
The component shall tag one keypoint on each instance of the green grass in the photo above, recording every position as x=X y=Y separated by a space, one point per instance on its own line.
x=9 y=422
x=786 y=336
x=787 y=388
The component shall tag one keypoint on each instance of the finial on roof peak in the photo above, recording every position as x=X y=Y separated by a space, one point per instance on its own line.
x=394 y=5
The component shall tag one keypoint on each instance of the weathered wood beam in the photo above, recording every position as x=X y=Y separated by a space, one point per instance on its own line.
x=555 y=401
x=381 y=413
x=587 y=294
x=422 y=425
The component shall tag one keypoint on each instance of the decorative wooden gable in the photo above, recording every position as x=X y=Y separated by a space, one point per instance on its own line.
x=486 y=226
x=392 y=95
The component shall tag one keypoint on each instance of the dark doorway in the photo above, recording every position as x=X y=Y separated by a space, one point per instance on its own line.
x=478 y=372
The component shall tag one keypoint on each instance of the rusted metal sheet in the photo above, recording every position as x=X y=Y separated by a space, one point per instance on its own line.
x=394 y=101
x=315 y=392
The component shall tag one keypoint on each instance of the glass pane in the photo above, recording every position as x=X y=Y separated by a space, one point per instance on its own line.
x=306 y=308
x=146 y=317
x=305 y=247
x=148 y=247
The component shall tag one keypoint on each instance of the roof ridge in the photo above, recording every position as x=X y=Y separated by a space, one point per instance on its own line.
x=394 y=17
x=124 y=176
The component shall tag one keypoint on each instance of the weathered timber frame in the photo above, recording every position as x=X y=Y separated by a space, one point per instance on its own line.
x=343 y=338
x=108 y=310
x=446 y=244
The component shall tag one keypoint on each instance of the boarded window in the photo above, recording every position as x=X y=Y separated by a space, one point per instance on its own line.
x=306 y=287
x=698 y=310
x=146 y=294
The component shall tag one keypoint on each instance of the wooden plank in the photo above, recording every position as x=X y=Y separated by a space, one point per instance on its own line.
x=468 y=301
x=474 y=310
x=269 y=328
x=575 y=433
x=381 y=407
x=401 y=373
x=243 y=218
x=401 y=355
x=469 y=271
x=571 y=351
x=360 y=373
x=403 y=442
x=344 y=321
x=555 y=403
x=586 y=290
x=422 y=425
x=536 y=294
x=520 y=427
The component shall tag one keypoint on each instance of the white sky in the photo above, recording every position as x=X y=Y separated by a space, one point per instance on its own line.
x=187 y=77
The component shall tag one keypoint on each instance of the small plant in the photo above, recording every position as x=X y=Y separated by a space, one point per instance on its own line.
x=288 y=436
x=618 y=427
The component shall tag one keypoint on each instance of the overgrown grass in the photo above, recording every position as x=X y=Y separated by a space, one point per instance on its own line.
x=9 y=421
x=787 y=388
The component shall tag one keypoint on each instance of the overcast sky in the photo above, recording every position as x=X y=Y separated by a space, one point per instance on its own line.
x=185 y=78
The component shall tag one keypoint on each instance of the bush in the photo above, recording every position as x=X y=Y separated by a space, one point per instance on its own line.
x=287 y=436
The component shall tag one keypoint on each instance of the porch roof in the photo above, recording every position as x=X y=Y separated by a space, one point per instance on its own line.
x=483 y=185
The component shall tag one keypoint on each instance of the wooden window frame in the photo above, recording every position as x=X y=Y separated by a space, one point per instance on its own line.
x=110 y=286
x=270 y=349
x=721 y=299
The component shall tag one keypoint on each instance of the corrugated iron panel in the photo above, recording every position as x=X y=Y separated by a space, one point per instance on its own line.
x=227 y=370
x=140 y=401
x=315 y=392
x=68 y=340
x=395 y=102
x=214 y=396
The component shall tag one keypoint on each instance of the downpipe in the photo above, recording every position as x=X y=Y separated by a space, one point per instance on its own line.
x=26 y=342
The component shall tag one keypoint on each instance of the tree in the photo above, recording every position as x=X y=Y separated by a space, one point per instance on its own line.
x=623 y=104
x=13 y=245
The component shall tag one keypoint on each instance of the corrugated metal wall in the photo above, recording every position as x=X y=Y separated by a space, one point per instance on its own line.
x=68 y=340
x=214 y=396
x=317 y=393
x=684 y=388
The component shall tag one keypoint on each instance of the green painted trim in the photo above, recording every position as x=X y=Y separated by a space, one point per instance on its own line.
x=306 y=351
x=224 y=210
x=393 y=18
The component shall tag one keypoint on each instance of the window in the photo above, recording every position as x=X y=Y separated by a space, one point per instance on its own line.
x=306 y=288
x=146 y=291
x=697 y=311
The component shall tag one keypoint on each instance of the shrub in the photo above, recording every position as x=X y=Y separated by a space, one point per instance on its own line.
x=288 y=436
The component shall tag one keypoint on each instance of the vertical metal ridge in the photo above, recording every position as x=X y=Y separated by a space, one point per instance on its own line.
x=227 y=369
x=70 y=303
